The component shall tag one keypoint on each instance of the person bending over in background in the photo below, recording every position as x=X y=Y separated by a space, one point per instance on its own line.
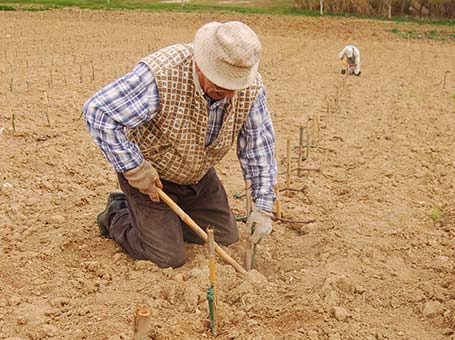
x=166 y=124
x=350 y=58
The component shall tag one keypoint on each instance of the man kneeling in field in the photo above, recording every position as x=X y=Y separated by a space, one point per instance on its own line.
x=167 y=124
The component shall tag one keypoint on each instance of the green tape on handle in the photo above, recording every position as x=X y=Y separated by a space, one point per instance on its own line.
x=211 y=301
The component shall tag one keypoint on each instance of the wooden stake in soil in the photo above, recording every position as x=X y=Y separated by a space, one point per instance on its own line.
x=47 y=113
x=337 y=97
x=141 y=324
x=314 y=128
x=211 y=291
x=248 y=200
x=12 y=116
x=444 y=81
x=288 y=163
x=199 y=231
x=329 y=109
x=250 y=251
x=308 y=139
x=51 y=78
x=277 y=200
x=299 y=162
x=12 y=122
x=77 y=108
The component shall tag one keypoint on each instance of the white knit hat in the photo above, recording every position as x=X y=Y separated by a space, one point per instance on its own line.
x=228 y=54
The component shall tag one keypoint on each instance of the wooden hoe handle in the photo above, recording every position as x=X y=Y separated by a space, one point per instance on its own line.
x=198 y=230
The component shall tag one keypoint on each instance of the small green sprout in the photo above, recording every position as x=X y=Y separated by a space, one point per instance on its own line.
x=436 y=215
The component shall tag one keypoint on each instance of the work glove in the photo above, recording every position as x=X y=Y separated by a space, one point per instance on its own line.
x=262 y=224
x=358 y=74
x=145 y=178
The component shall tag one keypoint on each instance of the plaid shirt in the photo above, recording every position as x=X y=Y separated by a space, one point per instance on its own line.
x=134 y=99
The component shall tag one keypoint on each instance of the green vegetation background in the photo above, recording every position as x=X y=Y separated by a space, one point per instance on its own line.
x=401 y=10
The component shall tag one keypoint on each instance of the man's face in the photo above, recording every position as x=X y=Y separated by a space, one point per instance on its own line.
x=213 y=90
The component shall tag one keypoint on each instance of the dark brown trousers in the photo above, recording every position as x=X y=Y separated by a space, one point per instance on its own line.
x=152 y=231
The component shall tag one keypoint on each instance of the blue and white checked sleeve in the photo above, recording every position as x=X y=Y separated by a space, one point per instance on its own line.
x=129 y=102
x=256 y=153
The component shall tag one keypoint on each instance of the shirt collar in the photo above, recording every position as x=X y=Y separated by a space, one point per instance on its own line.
x=201 y=92
x=199 y=89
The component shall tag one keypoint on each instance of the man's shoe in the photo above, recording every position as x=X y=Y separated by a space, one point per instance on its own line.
x=115 y=202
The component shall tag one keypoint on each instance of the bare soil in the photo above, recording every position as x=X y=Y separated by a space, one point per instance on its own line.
x=373 y=265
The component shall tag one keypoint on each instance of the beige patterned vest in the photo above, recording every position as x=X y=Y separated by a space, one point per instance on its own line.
x=174 y=139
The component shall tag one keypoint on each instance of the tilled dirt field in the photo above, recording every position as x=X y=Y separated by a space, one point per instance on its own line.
x=373 y=265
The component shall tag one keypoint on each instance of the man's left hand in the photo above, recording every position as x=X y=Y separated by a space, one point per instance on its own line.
x=263 y=224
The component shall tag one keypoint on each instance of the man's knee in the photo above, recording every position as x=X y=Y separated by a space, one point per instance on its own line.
x=161 y=260
x=229 y=238
x=171 y=261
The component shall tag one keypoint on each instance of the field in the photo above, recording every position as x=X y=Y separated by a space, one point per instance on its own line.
x=379 y=183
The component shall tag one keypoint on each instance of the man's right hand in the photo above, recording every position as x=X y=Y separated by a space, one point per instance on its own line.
x=145 y=178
